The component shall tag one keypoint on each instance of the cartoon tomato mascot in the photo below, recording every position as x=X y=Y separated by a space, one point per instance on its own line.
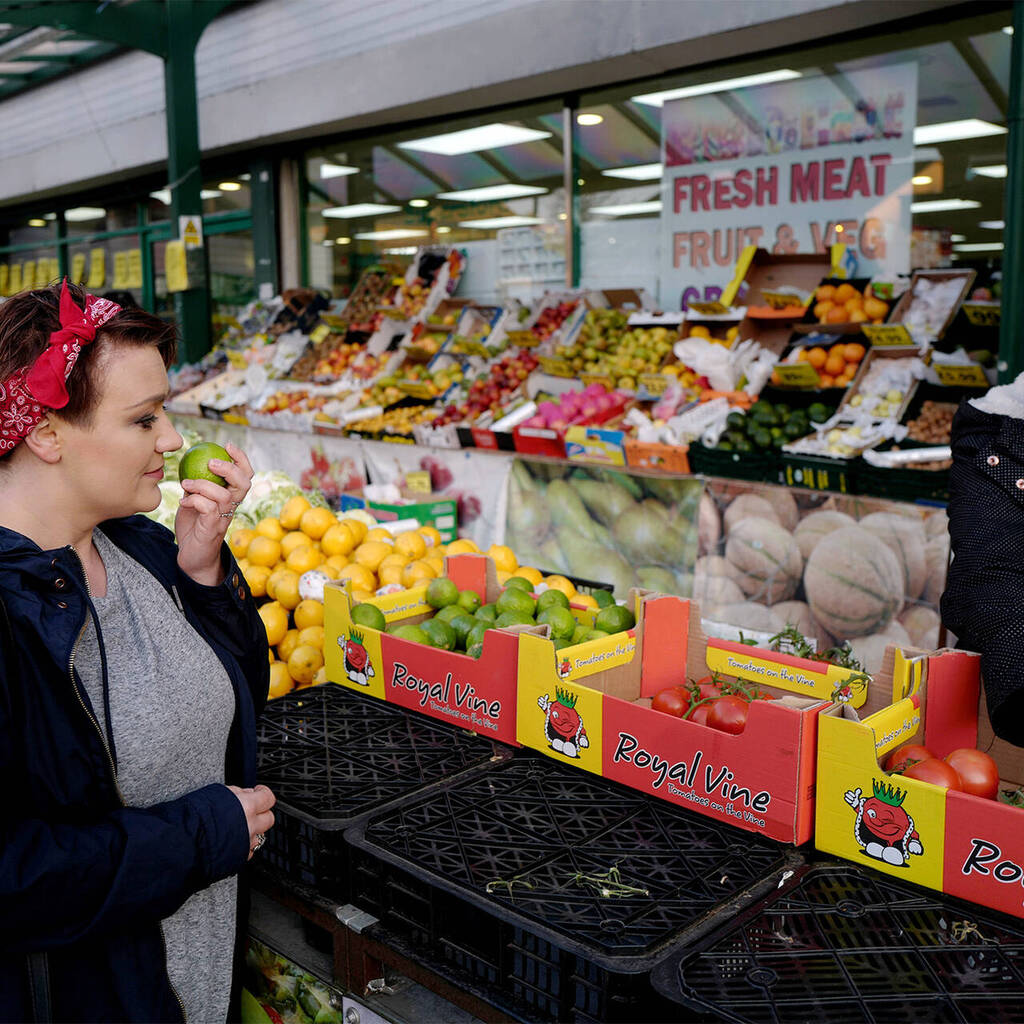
x=563 y=726
x=884 y=829
x=357 y=661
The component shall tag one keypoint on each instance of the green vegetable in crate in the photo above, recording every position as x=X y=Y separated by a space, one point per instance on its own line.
x=366 y=614
x=439 y=634
x=767 y=427
x=441 y=592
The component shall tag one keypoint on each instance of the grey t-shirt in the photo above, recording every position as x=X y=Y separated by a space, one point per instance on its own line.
x=171 y=705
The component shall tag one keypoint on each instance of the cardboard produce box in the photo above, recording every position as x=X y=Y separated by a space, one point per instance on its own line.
x=476 y=694
x=589 y=706
x=963 y=845
x=426 y=509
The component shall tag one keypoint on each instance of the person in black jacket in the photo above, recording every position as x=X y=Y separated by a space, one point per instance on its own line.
x=132 y=667
x=983 y=604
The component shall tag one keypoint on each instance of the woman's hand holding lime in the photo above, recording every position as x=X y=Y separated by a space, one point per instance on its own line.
x=204 y=514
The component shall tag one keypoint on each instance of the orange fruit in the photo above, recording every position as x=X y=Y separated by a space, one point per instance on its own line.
x=292 y=510
x=825 y=381
x=288 y=644
x=379 y=533
x=270 y=527
x=338 y=540
x=256 y=576
x=281 y=681
x=560 y=583
x=304 y=663
x=821 y=309
x=303 y=559
x=312 y=635
x=357 y=526
x=263 y=550
x=463 y=546
x=854 y=351
x=286 y=589
x=504 y=557
x=240 y=540
x=315 y=522
x=836 y=315
x=430 y=534
x=825 y=292
x=411 y=544
x=835 y=364
x=817 y=356
x=361 y=577
x=528 y=572
x=854 y=304
x=308 y=613
x=417 y=572
x=776 y=378
x=843 y=379
x=371 y=553
x=845 y=292
x=275 y=622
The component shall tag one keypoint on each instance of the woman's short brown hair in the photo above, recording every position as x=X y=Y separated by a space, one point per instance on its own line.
x=28 y=319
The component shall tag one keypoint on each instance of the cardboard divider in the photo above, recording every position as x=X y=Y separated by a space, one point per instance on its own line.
x=963 y=845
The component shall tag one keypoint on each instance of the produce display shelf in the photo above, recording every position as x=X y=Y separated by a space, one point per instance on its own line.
x=839 y=943
x=554 y=890
x=330 y=754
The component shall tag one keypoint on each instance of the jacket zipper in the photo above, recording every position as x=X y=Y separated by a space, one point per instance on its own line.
x=110 y=758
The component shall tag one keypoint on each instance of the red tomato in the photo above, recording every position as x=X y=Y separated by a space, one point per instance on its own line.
x=937 y=772
x=709 y=689
x=898 y=759
x=671 y=702
x=978 y=772
x=699 y=714
x=729 y=714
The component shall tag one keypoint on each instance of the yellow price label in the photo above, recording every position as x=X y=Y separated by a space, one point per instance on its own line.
x=654 y=383
x=707 y=308
x=524 y=339
x=418 y=481
x=598 y=378
x=78 y=267
x=320 y=334
x=983 y=314
x=556 y=367
x=783 y=300
x=893 y=335
x=798 y=375
x=972 y=376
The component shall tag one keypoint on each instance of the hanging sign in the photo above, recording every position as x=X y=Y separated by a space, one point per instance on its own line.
x=97 y=269
x=792 y=167
x=120 y=270
x=5 y=272
x=78 y=268
x=15 y=281
x=175 y=265
x=134 y=268
x=28 y=275
x=190 y=231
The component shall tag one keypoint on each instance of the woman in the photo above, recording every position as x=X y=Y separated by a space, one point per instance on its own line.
x=131 y=672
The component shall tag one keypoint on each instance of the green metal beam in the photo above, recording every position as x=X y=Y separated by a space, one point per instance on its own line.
x=139 y=26
x=1011 y=341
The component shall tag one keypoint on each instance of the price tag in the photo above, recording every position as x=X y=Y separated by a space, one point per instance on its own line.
x=654 y=384
x=14 y=281
x=98 y=269
x=798 y=375
x=469 y=347
x=783 y=300
x=134 y=268
x=983 y=314
x=524 y=339
x=894 y=335
x=78 y=267
x=320 y=334
x=707 y=308
x=972 y=376
x=4 y=271
x=417 y=389
x=556 y=367
x=598 y=378
x=28 y=274
x=418 y=481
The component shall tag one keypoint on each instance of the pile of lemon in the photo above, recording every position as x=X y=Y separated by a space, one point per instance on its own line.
x=281 y=555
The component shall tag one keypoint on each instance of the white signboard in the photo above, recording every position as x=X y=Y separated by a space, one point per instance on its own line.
x=792 y=167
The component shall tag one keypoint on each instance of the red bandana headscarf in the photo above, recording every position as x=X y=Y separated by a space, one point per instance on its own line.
x=25 y=397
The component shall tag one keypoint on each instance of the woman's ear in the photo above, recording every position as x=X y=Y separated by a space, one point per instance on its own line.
x=44 y=441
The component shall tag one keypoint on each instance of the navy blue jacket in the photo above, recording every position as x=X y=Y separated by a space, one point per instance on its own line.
x=82 y=877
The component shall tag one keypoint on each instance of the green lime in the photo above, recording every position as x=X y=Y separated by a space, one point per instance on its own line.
x=476 y=634
x=614 y=619
x=449 y=611
x=194 y=464
x=561 y=642
x=369 y=615
x=514 y=600
x=551 y=599
x=596 y=634
x=439 y=634
x=462 y=624
x=413 y=634
x=579 y=634
x=486 y=613
x=521 y=582
x=561 y=622
x=475 y=651
x=441 y=593
x=604 y=598
x=513 y=619
x=470 y=600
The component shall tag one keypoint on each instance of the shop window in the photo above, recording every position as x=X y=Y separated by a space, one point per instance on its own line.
x=492 y=186
x=934 y=100
x=228 y=193
x=107 y=266
x=28 y=252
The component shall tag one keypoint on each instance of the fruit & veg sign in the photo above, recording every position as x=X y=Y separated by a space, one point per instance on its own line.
x=794 y=166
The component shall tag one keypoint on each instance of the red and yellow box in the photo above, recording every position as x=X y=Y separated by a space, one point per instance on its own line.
x=963 y=845
x=475 y=694
x=589 y=705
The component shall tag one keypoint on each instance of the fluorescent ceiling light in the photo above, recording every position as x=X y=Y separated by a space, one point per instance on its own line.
x=979 y=247
x=359 y=210
x=37 y=222
x=245 y=177
x=163 y=195
x=1008 y=29
x=920 y=179
x=210 y=193
x=491 y=192
x=926 y=154
x=444 y=231
x=387 y=235
x=657 y=99
x=589 y=119
x=958 y=238
x=327 y=241
x=625 y=209
x=638 y=172
x=990 y=170
x=992 y=225
x=473 y=140
x=952 y=131
x=419 y=203
x=81 y=213
x=487 y=223
x=336 y=170
x=402 y=250
x=229 y=186
x=937 y=205
x=344 y=240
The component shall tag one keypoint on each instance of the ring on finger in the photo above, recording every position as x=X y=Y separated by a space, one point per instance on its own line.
x=227 y=515
x=259 y=840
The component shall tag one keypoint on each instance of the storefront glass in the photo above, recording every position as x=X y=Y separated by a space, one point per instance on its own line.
x=493 y=186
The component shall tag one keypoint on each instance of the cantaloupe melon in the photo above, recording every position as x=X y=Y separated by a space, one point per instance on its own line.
x=784 y=504
x=714 y=590
x=747 y=615
x=709 y=525
x=799 y=614
x=905 y=538
x=922 y=626
x=816 y=525
x=854 y=583
x=716 y=565
x=936 y=560
x=870 y=651
x=897 y=634
x=767 y=557
x=748 y=506
x=936 y=525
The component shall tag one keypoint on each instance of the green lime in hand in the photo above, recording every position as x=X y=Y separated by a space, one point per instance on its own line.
x=195 y=463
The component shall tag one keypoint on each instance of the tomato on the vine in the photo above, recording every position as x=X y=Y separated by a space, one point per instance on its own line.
x=937 y=772
x=978 y=772
x=671 y=701
x=708 y=689
x=899 y=759
x=699 y=714
x=728 y=714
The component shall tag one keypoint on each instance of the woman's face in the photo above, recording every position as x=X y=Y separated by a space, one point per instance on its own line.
x=115 y=462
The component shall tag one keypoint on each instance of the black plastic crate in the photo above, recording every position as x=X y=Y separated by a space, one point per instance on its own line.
x=764 y=467
x=839 y=942
x=330 y=754
x=821 y=472
x=484 y=878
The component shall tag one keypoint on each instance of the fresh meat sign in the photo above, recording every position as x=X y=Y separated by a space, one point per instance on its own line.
x=793 y=167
